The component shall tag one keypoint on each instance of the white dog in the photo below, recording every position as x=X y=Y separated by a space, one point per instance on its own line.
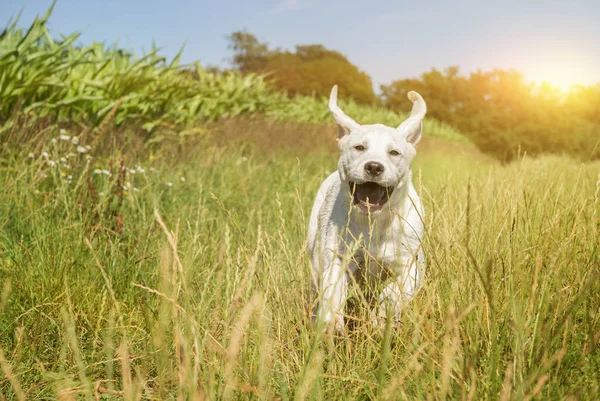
x=367 y=220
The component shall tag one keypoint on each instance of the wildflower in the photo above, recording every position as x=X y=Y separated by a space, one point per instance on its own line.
x=63 y=160
x=31 y=155
x=37 y=192
x=132 y=171
x=106 y=173
x=136 y=189
x=169 y=184
x=62 y=131
x=100 y=193
x=64 y=137
x=53 y=140
x=45 y=154
x=51 y=163
x=88 y=157
x=182 y=179
x=139 y=169
x=88 y=147
x=152 y=170
x=81 y=149
x=75 y=140
x=97 y=171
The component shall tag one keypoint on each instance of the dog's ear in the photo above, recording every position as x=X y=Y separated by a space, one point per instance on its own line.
x=413 y=125
x=345 y=124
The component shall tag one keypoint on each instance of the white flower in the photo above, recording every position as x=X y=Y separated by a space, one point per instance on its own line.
x=70 y=177
x=88 y=147
x=101 y=194
x=105 y=172
x=136 y=189
x=88 y=157
x=62 y=131
x=64 y=137
x=182 y=179
x=45 y=154
x=51 y=163
x=139 y=169
x=97 y=171
x=152 y=170
x=31 y=155
x=75 y=140
x=132 y=171
x=81 y=149
x=63 y=160
x=169 y=184
x=53 y=140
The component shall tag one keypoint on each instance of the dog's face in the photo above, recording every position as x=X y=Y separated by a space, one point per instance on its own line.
x=375 y=159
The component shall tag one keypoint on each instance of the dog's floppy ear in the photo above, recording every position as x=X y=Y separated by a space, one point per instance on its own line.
x=413 y=125
x=345 y=124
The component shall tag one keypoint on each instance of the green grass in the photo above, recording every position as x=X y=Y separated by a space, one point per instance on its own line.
x=209 y=296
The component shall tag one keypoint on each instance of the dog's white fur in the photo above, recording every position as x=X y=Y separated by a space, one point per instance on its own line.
x=386 y=243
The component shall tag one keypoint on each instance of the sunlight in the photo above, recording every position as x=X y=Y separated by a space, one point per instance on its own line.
x=563 y=76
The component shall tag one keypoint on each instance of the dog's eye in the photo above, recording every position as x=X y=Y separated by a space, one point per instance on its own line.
x=394 y=153
x=360 y=148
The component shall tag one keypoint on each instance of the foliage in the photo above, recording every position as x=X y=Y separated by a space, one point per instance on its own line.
x=43 y=76
x=503 y=115
x=310 y=70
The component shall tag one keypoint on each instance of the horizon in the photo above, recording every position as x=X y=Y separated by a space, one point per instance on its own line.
x=555 y=45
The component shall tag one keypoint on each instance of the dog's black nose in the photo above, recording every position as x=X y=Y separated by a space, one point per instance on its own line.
x=373 y=168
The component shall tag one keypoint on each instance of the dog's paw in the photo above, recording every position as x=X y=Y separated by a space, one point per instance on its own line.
x=334 y=322
x=388 y=307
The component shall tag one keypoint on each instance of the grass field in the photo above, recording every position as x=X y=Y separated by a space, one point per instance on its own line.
x=183 y=274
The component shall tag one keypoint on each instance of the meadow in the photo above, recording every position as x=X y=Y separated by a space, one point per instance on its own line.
x=152 y=252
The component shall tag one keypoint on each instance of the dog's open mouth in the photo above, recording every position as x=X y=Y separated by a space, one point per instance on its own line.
x=370 y=196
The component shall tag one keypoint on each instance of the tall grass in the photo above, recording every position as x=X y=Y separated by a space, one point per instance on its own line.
x=185 y=277
x=41 y=76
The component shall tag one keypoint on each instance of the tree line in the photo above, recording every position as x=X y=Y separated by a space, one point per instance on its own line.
x=502 y=113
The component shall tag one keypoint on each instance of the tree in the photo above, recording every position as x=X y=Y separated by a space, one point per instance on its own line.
x=504 y=115
x=310 y=70
x=249 y=55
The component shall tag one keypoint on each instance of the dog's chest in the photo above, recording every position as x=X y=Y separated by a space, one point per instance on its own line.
x=378 y=249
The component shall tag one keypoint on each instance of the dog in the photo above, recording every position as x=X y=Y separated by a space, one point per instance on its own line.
x=367 y=219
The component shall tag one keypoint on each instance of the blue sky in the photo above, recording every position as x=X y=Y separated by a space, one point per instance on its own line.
x=554 y=40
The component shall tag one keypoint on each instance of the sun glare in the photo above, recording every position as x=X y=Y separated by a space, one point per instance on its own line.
x=561 y=76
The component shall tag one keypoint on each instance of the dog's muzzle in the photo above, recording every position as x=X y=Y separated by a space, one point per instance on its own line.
x=370 y=196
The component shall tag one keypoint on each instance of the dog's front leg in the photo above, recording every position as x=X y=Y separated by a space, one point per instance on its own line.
x=335 y=289
x=400 y=291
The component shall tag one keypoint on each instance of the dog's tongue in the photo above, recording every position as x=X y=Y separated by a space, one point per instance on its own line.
x=372 y=191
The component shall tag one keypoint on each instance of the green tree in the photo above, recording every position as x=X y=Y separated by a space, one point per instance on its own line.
x=504 y=115
x=310 y=70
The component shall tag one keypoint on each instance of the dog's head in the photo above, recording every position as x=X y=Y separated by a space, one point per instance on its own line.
x=375 y=159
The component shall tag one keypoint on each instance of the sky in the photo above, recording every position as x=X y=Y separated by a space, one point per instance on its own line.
x=556 y=41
